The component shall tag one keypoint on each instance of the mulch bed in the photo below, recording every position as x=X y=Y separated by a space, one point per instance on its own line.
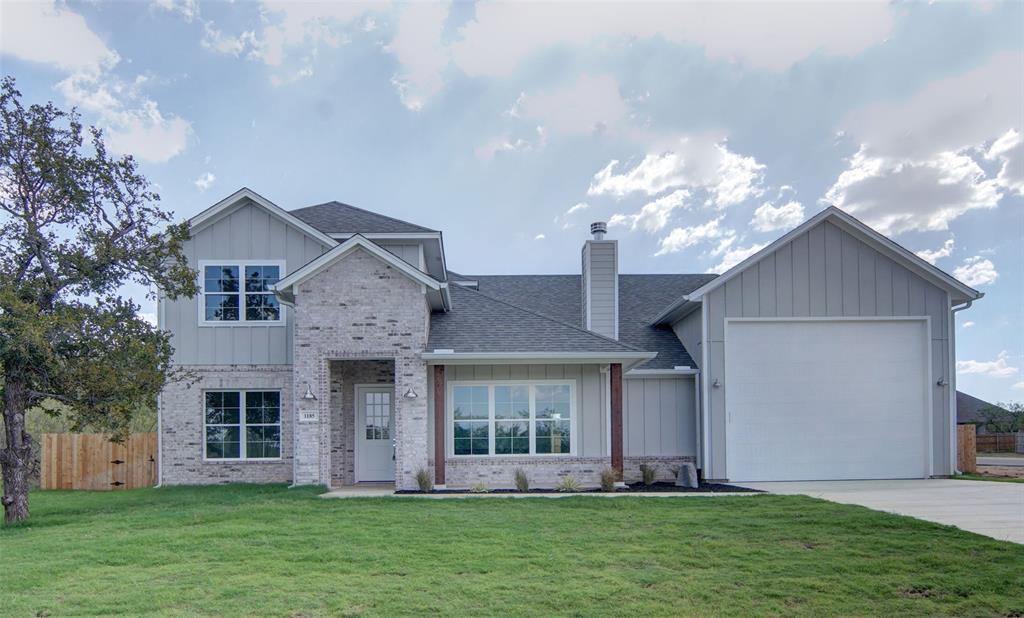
x=668 y=488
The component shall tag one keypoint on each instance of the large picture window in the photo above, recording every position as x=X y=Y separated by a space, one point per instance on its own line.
x=243 y=424
x=512 y=418
x=240 y=292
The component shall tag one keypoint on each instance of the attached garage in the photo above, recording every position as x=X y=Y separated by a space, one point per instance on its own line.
x=840 y=398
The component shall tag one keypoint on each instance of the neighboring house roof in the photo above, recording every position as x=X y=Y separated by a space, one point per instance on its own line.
x=559 y=297
x=960 y=291
x=969 y=408
x=480 y=324
x=283 y=288
x=338 y=218
x=227 y=205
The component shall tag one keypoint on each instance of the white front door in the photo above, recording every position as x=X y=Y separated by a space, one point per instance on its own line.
x=827 y=399
x=375 y=430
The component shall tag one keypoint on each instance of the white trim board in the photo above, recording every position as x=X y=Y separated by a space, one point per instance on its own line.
x=228 y=204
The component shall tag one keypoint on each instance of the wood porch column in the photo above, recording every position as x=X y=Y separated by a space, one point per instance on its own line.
x=615 y=375
x=439 y=414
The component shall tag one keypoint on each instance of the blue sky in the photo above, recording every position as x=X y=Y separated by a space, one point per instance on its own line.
x=700 y=132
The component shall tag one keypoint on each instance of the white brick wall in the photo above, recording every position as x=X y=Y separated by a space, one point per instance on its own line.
x=344 y=376
x=359 y=309
x=181 y=420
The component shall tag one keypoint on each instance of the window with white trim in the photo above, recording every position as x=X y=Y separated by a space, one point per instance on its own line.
x=242 y=424
x=240 y=292
x=513 y=418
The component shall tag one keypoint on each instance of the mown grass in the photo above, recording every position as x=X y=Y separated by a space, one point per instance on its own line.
x=990 y=477
x=272 y=551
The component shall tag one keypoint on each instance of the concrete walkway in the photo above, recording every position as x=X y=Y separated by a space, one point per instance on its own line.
x=989 y=508
x=995 y=460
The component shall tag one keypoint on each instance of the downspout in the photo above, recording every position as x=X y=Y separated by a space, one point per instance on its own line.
x=952 y=384
x=159 y=405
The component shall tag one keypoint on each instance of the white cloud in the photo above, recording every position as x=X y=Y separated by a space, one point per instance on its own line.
x=946 y=115
x=214 y=39
x=998 y=368
x=132 y=122
x=932 y=257
x=699 y=162
x=1018 y=386
x=148 y=316
x=917 y=166
x=299 y=28
x=765 y=35
x=654 y=216
x=967 y=324
x=579 y=207
x=735 y=256
x=539 y=237
x=505 y=143
x=682 y=237
x=1009 y=149
x=55 y=35
x=768 y=217
x=976 y=271
x=417 y=47
x=897 y=195
x=189 y=9
x=588 y=104
x=205 y=181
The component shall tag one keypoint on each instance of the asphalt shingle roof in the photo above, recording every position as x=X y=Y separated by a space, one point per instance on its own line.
x=480 y=323
x=641 y=298
x=338 y=218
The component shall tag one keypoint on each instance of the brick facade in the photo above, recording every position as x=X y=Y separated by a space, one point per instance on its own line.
x=344 y=377
x=382 y=315
x=181 y=424
x=547 y=472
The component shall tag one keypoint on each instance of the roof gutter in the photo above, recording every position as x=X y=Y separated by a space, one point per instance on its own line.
x=627 y=358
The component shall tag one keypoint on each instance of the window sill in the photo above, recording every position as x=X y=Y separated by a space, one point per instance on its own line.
x=524 y=456
x=240 y=323
x=251 y=460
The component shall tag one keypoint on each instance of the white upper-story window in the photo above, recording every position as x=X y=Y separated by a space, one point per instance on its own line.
x=506 y=418
x=240 y=292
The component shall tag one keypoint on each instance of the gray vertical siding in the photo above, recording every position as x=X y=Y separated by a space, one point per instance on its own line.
x=248 y=233
x=590 y=396
x=410 y=252
x=601 y=270
x=824 y=272
x=689 y=331
x=659 y=416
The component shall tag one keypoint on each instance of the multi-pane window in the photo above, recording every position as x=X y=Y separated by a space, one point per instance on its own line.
x=512 y=419
x=243 y=424
x=240 y=292
x=378 y=416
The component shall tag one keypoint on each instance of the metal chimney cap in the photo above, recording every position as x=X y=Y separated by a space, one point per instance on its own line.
x=598 y=229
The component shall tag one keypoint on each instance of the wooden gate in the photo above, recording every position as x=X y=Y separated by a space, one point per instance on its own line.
x=966 y=449
x=92 y=461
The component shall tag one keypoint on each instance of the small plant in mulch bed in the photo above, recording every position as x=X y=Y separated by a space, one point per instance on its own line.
x=480 y=488
x=649 y=473
x=568 y=484
x=522 y=481
x=424 y=481
x=608 y=479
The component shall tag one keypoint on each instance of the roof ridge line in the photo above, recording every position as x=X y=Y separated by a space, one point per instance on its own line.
x=550 y=319
x=369 y=212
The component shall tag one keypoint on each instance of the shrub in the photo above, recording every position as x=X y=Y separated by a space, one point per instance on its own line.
x=608 y=479
x=480 y=488
x=568 y=484
x=649 y=473
x=424 y=481
x=522 y=481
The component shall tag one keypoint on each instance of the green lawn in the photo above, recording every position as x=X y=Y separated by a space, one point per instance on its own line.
x=273 y=551
x=989 y=477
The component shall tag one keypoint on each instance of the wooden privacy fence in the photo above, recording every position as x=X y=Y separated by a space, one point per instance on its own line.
x=966 y=451
x=92 y=461
x=997 y=442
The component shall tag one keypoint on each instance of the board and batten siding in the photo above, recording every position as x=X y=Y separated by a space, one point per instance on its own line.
x=688 y=330
x=410 y=252
x=590 y=397
x=600 y=277
x=248 y=233
x=826 y=272
x=659 y=416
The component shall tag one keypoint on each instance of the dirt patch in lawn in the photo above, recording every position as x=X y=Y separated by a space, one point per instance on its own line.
x=1016 y=472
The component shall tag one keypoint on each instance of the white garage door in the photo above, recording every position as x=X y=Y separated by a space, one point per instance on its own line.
x=815 y=400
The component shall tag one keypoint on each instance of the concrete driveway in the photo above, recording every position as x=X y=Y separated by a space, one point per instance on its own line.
x=986 y=507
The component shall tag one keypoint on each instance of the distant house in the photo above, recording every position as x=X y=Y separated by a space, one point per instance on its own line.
x=332 y=345
x=969 y=409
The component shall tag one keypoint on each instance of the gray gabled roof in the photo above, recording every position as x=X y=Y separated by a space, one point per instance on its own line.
x=478 y=323
x=969 y=407
x=640 y=298
x=338 y=218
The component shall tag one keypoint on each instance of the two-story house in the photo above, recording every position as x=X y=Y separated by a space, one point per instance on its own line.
x=331 y=345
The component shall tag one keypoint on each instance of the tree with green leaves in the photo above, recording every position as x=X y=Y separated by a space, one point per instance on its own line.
x=76 y=225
